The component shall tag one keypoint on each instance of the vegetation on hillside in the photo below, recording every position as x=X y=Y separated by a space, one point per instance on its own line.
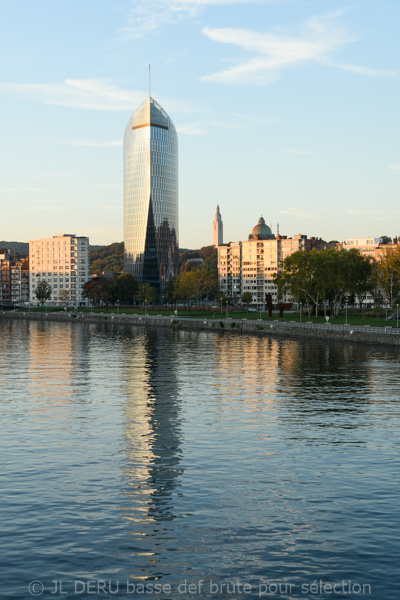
x=107 y=259
x=18 y=247
x=203 y=281
x=196 y=280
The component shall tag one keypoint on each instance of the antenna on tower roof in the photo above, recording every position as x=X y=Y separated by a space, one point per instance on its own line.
x=149 y=81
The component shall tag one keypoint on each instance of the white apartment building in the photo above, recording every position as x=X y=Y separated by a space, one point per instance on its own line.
x=62 y=261
x=250 y=266
x=366 y=246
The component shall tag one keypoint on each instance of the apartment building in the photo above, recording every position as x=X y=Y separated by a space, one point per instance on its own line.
x=250 y=266
x=62 y=261
x=366 y=246
x=14 y=277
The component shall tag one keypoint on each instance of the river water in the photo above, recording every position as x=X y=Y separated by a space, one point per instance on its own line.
x=144 y=463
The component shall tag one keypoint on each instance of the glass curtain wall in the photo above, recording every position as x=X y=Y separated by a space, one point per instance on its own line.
x=151 y=196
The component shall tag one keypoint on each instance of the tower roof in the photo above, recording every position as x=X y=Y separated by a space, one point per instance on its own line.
x=151 y=113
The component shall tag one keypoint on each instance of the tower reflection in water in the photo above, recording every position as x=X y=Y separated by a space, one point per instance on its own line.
x=153 y=447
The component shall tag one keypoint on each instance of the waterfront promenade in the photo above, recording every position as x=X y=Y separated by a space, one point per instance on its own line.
x=380 y=336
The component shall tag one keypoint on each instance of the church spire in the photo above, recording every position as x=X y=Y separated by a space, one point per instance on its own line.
x=217 y=229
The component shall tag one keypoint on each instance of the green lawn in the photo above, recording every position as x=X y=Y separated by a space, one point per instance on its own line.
x=354 y=317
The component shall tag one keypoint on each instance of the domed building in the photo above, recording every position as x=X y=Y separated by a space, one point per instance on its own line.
x=250 y=266
x=261 y=231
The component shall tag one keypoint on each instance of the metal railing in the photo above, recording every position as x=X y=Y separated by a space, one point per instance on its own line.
x=274 y=324
x=244 y=323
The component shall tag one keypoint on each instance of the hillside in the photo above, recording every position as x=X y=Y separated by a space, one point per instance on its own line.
x=111 y=258
x=19 y=247
x=107 y=258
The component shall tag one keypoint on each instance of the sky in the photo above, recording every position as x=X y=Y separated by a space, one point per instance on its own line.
x=287 y=109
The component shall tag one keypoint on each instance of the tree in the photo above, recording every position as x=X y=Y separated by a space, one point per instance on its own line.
x=223 y=299
x=43 y=291
x=347 y=273
x=96 y=290
x=125 y=288
x=147 y=293
x=169 y=291
x=107 y=258
x=325 y=276
x=302 y=275
x=207 y=252
x=64 y=295
x=195 y=285
x=247 y=298
x=385 y=239
x=387 y=273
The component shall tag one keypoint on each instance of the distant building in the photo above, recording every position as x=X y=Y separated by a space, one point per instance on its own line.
x=367 y=246
x=151 y=196
x=375 y=249
x=372 y=247
x=249 y=266
x=218 y=229
x=14 y=277
x=62 y=261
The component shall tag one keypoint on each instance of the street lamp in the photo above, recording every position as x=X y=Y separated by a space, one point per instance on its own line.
x=397 y=315
x=346 y=313
x=221 y=305
x=301 y=306
x=391 y=290
x=117 y=306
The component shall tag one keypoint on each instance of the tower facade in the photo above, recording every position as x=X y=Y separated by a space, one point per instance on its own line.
x=217 y=229
x=151 y=195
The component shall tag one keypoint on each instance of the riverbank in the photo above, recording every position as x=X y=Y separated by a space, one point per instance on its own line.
x=381 y=336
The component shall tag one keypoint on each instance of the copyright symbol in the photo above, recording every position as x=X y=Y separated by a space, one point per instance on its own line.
x=36 y=588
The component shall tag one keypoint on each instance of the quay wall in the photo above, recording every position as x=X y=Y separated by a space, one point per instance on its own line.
x=379 y=336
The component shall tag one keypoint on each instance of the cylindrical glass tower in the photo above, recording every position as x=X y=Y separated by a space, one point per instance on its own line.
x=151 y=195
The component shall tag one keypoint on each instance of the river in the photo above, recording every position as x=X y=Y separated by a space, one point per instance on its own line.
x=145 y=463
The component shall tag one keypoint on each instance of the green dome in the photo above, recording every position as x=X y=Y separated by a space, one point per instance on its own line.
x=261 y=229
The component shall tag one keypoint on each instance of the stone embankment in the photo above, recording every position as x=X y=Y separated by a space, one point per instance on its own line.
x=380 y=336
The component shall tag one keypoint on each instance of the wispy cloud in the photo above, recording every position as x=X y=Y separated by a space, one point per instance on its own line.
x=355 y=211
x=314 y=42
x=190 y=129
x=394 y=167
x=147 y=16
x=91 y=94
x=361 y=70
x=230 y=125
x=46 y=191
x=46 y=208
x=30 y=189
x=91 y=143
x=253 y=119
x=299 y=152
x=295 y=212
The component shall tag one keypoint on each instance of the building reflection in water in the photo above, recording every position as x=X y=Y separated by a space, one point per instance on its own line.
x=303 y=379
x=54 y=363
x=152 y=444
x=246 y=368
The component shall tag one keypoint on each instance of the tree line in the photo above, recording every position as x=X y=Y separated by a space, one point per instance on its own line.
x=196 y=280
x=329 y=278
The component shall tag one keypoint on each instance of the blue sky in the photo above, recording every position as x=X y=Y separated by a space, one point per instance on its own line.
x=285 y=108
